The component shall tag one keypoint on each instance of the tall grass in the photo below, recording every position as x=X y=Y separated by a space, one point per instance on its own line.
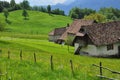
x=41 y=70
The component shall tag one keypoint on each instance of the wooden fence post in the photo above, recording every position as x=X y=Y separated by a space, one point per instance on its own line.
x=35 y=57
x=8 y=54
x=100 y=68
x=71 y=63
x=51 y=62
x=21 y=55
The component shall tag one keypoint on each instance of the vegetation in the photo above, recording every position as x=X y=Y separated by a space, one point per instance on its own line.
x=6 y=13
x=26 y=68
x=25 y=5
x=12 y=6
x=110 y=13
x=77 y=13
x=4 y=4
x=39 y=24
x=49 y=9
x=58 y=12
x=30 y=36
x=25 y=14
x=2 y=26
x=97 y=17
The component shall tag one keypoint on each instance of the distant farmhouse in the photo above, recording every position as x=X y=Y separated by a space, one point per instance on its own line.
x=101 y=39
x=56 y=34
x=60 y=35
x=73 y=30
x=90 y=38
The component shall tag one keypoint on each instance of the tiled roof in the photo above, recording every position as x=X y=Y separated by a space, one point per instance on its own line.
x=58 y=31
x=104 y=33
x=75 y=27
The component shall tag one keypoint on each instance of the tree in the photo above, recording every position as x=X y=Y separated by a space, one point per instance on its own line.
x=97 y=17
x=6 y=13
x=58 y=12
x=12 y=3
x=80 y=13
x=25 y=14
x=25 y=4
x=74 y=15
x=4 y=4
x=18 y=7
x=49 y=9
x=69 y=41
x=43 y=9
x=110 y=13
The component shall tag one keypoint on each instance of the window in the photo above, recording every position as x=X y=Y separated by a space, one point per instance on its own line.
x=110 y=47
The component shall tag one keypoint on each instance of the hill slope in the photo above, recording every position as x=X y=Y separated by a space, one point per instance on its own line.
x=38 y=22
x=26 y=69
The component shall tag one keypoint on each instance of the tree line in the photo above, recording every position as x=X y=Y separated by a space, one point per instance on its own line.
x=12 y=6
x=5 y=7
x=48 y=9
x=102 y=15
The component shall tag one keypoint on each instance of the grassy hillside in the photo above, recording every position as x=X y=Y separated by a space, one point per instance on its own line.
x=27 y=69
x=38 y=23
x=30 y=36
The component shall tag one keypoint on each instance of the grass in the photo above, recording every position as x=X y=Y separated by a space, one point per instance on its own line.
x=38 y=23
x=41 y=70
x=30 y=36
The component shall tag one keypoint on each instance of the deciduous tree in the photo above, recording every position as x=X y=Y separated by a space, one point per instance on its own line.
x=97 y=17
x=25 y=14
x=25 y=4
x=6 y=13
x=49 y=9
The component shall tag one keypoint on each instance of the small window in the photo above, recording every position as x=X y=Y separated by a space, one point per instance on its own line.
x=110 y=47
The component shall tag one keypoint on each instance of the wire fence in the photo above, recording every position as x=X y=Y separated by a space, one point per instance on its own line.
x=79 y=70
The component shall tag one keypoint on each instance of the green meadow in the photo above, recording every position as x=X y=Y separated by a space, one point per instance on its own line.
x=31 y=36
x=38 y=24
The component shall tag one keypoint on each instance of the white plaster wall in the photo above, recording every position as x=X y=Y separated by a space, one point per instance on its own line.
x=102 y=50
x=76 y=46
x=98 y=51
x=90 y=49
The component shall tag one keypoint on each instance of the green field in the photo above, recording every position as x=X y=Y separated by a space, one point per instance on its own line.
x=30 y=36
x=38 y=25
